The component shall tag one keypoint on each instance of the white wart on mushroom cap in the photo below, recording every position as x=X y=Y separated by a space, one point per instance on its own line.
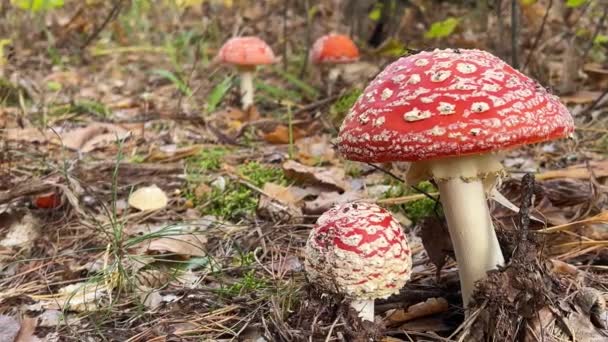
x=359 y=250
x=447 y=103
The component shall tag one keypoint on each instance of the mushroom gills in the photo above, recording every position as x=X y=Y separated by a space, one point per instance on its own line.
x=484 y=167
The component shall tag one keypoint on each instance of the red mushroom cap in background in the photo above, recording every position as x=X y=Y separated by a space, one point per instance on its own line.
x=245 y=51
x=360 y=250
x=447 y=103
x=334 y=48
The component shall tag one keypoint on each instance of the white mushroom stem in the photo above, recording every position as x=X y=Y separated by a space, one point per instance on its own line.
x=471 y=230
x=247 y=88
x=365 y=308
x=463 y=183
x=332 y=78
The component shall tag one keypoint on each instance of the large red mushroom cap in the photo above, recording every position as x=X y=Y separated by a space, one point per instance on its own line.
x=448 y=103
x=334 y=49
x=246 y=51
x=358 y=249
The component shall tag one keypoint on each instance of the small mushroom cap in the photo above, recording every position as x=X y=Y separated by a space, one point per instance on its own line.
x=358 y=249
x=245 y=51
x=334 y=49
x=448 y=103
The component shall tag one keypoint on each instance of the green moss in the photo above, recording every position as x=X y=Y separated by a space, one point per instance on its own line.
x=414 y=210
x=342 y=105
x=237 y=200
x=259 y=174
x=208 y=159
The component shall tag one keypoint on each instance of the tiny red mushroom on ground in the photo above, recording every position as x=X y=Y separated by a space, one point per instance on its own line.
x=450 y=113
x=359 y=250
x=333 y=49
x=246 y=53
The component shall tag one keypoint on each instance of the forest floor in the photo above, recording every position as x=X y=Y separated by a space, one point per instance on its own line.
x=102 y=100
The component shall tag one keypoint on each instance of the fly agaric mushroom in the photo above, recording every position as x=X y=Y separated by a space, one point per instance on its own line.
x=450 y=113
x=246 y=53
x=334 y=49
x=359 y=250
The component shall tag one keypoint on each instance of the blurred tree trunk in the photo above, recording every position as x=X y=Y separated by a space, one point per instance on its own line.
x=374 y=31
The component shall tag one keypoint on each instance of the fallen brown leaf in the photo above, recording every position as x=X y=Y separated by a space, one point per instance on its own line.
x=280 y=135
x=279 y=203
x=96 y=135
x=332 y=177
x=315 y=149
x=436 y=241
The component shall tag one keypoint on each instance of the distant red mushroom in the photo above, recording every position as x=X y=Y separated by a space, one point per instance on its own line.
x=450 y=113
x=246 y=53
x=333 y=49
x=359 y=250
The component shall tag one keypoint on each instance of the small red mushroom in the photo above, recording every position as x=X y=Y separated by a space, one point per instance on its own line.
x=50 y=200
x=246 y=53
x=359 y=250
x=333 y=49
x=450 y=113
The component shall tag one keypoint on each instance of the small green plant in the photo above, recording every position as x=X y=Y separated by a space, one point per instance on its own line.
x=175 y=79
x=414 y=210
x=91 y=107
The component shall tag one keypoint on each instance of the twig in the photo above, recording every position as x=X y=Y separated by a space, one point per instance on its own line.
x=514 y=33
x=594 y=103
x=500 y=24
x=598 y=28
x=426 y=194
x=111 y=16
x=538 y=34
x=316 y=104
x=523 y=217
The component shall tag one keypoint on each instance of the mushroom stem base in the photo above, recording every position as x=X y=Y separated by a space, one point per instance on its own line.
x=471 y=230
x=365 y=308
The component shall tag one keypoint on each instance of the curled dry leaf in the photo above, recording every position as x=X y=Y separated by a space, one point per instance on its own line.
x=436 y=241
x=326 y=200
x=148 y=198
x=429 y=307
x=21 y=231
x=30 y=134
x=332 y=177
x=96 y=135
x=78 y=297
x=180 y=243
x=279 y=203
